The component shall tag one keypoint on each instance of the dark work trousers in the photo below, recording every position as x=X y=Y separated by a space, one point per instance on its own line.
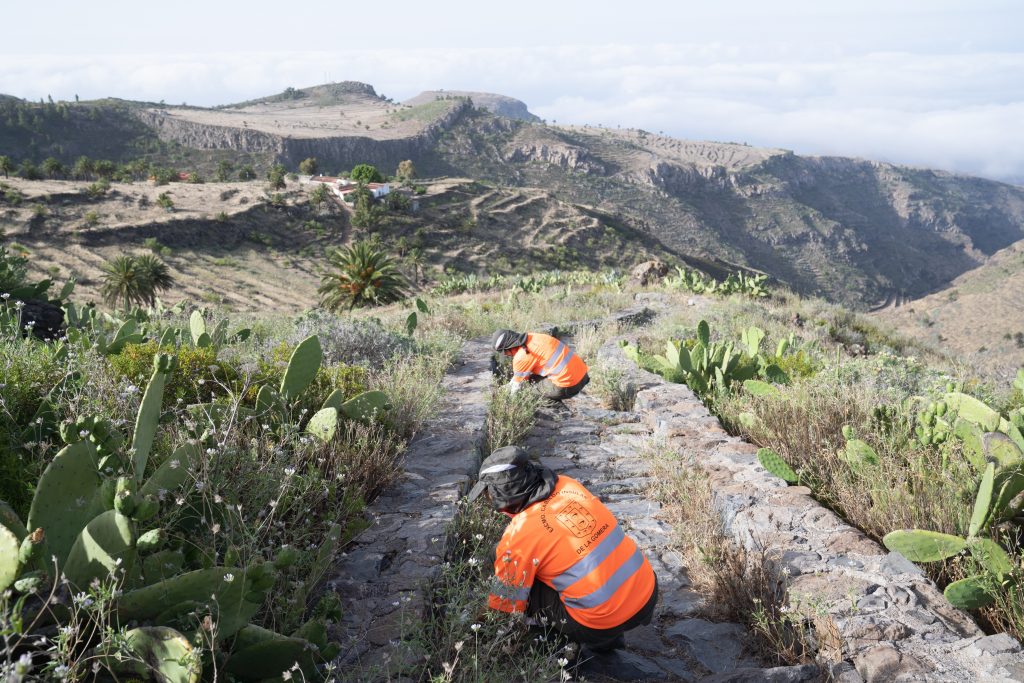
x=552 y=392
x=545 y=602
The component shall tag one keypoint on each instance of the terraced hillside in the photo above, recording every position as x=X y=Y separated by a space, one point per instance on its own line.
x=851 y=230
x=233 y=243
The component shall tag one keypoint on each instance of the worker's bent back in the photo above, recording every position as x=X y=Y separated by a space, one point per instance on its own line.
x=546 y=356
x=572 y=542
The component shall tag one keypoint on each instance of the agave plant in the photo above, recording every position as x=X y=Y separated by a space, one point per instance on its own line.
x=360 y=275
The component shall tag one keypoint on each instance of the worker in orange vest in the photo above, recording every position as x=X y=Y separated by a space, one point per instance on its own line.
x=542 y=358
x=563 y=559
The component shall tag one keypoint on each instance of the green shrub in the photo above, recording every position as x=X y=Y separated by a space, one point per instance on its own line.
x=798 y=365
x=28 y=371
x=197 y=377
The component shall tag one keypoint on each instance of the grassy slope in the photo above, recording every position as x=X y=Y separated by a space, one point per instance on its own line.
x=978 y=315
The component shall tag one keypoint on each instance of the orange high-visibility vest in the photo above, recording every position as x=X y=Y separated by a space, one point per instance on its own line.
x=571 y=542
x=546 y=356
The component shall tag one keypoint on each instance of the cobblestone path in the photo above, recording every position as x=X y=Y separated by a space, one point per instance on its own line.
x=603 y=450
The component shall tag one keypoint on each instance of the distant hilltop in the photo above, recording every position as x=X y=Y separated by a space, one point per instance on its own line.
x=502 y=105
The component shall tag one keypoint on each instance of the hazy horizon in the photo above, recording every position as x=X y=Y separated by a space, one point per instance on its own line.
x=933 y=84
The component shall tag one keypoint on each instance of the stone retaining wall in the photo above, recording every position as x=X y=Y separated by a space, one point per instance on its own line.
x=880 y=619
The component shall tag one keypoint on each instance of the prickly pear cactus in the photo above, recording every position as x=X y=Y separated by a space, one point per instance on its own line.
x=149 y=413
x=756 y=387
x=173 y=472
x=9 y=564
x=859 y=454
x=302 y=367
x=324 y=424
x=106 y=543
x=999 y=448
x=197 y=326
x=366 y=405
x=271 y=653
x=970 y=593
x=232 y=586
x=973 y=410
x=982 y=501
x=9 y=518
x=918 y=545
x=991 y=556
x=66 y=498
x=160 y=653
x=774 y=463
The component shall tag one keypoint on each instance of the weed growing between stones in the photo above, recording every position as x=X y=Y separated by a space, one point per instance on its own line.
x=461 y=638
x=510 y=416
x=614 y=389
x=745 y=585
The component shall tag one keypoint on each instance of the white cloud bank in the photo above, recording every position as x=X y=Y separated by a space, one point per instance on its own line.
x=959 y=111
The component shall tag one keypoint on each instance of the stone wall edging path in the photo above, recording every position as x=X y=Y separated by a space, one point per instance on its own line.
x=381 y=575
x=892 y=622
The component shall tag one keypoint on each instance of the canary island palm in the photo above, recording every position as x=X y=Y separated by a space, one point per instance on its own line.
x=134 y=280
x=360 y=275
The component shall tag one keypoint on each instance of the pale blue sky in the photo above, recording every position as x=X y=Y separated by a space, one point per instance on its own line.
x=937 y=83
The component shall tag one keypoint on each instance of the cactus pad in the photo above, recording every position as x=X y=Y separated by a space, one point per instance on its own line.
x=230 y=610
x=774 y=463
x=302 y=367
x=756 y=387
x=324 y=424
x=66 y=498
x=9 y=563
x=982 y=501
x=992 y=557
x=924 y=546
x=969 y=593
x=859 y=453
x=1000 y=449
x=106 y=543
x=973 y=410
x=9 y=518
x=196 y=326
x=161 y=653
x=364 y=406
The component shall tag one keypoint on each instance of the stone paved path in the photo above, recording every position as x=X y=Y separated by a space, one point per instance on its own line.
x=891 y=623
x=380 y=576
x=602 y=449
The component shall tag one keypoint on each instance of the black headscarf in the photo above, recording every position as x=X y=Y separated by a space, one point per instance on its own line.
x=512 y=480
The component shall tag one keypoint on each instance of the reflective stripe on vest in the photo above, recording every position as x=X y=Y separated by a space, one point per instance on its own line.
x=589 y=562
x=547 y=369
x=565 y=361
x=514 y=593
x=605 y=592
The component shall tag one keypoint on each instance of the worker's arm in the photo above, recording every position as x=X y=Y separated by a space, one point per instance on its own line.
x=513 y=579
x=522 y=369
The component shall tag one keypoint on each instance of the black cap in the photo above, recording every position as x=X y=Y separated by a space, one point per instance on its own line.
x=503 y=340
x=500 y=466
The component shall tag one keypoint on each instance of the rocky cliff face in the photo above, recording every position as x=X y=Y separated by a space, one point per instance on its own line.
x=344 y=151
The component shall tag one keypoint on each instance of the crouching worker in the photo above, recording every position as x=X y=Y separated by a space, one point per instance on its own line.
x=563 y=559
x=542 y=358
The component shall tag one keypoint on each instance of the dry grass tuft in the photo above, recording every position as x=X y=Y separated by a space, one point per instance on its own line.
x=743 y=585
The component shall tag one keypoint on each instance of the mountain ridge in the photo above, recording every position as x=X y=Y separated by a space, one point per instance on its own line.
x=855 y=231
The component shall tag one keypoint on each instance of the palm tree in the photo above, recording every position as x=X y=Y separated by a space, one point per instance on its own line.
x=154 y=275
x=121 y=282
x=134 y=280
x=360 y=275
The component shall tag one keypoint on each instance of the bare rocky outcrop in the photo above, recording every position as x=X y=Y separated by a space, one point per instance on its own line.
x=563 y=155
x=343 y=150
